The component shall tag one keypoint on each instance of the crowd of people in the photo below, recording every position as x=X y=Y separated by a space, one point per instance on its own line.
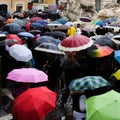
x=61 y=69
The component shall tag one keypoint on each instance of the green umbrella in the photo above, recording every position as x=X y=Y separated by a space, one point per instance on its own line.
x=88 y=83
x=104 y=107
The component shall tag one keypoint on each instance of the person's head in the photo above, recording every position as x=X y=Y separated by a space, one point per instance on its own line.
x=78 y=25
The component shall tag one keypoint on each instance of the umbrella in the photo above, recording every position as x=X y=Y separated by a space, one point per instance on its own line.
x=56 y=34
x=14 y=37
x=25 y=34
x=103 y=107
x=47 y=39
x=69 y=23
x=62 y=21
x=89 y=28
x=20 y=53
x=19 y=22
x=117 y=74
x=8 y=42
x=104 y=41
x=9 y=20
x=116 y=39
x=117 y=55
x=30 y=75
x=75 y=43
x=34 y=19
x=36 y=25
x=43 y=22
x=88 y=83
x=49 y=47
x=62 y=27
x=99 y=22
x=12 y=28
x=35 y=32
x=54 y=23
x=100 y=51
x=85 y=19
x=110 y=20
x=34 y=104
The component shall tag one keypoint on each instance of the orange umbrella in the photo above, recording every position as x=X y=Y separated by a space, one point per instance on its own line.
x=9 y=20
x=100 y=51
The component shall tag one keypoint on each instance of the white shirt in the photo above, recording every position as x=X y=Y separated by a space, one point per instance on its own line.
x=78 y=31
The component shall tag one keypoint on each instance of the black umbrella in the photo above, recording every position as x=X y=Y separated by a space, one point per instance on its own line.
x=105 y=41
x=56 y=34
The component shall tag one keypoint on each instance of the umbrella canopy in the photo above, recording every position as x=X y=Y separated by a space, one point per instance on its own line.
x=69 y=23
x=99 y=22
x=100 y=51
x=54 y=23
x=88 y=83
x=43 y=22
x=30 y=75
x=9 y=20
x=19 y=22
x=85 y=19
x=26 y=34
x=62 y=21
x=110 y=20
x=75 y=43
x=35 y=32
x=47 y=39
x=49 y=47
x=8 y=42
x=89 y=28
x=20 y=53
x=34 y=104
x=56 y=34
x=14 y=37
x=116 y=39
x=104 y=41
x=36 y=25
x=34 y=19
x=117 y=55
x=117 y=74
x=62 y=27
x=103 y=107
x=12 y=28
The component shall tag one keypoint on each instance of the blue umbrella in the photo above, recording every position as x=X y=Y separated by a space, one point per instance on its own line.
x=99 y=22
x=12 y=28
x=36 y=25
x=117 y=55
x=62 y=21
x=25 y=34
x=110 y=20
x=43 y=22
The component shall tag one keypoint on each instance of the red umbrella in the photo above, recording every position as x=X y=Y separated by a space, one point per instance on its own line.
x=75 y=43
x=34 y=19
x=34 y=104
x=14 y=37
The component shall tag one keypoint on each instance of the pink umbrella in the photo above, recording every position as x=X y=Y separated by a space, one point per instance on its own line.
x=75 y=43
x=30 y=75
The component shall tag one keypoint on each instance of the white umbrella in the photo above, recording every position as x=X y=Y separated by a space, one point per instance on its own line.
x=20 y=53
